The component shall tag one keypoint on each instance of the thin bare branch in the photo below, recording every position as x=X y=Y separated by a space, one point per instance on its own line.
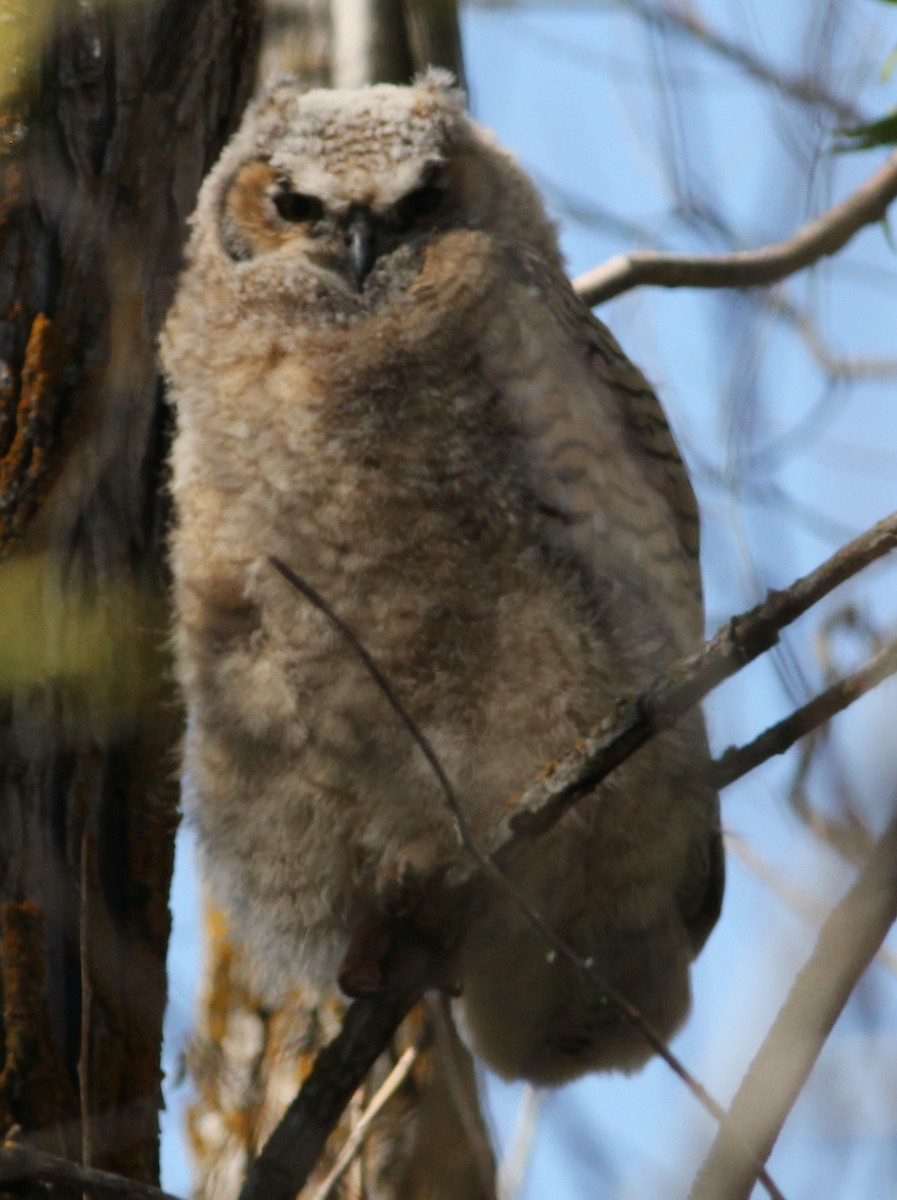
x=632 y=722
x=806 y=89
x=847 y=942
x=799 y=901
x=823 y=236
x=512 y=1174
x=296 y=1144
x=836 y=366
x=20 y=1164
x=389 y=693
x=739 y=760
x=357 y=1137
x=86 y=1002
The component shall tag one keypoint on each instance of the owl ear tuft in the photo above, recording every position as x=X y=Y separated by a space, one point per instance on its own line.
x=441 y=83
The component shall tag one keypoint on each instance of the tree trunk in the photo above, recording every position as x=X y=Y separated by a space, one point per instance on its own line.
x=111 y=115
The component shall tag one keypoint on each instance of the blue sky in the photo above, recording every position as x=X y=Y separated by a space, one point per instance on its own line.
x=641 y=139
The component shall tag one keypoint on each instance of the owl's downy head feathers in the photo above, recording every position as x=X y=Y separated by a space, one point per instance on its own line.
x=329 y=188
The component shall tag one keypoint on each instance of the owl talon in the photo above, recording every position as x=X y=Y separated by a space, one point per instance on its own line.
x=387 y=952
x=363 y=970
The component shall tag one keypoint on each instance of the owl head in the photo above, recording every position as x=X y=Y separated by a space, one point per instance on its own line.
x=332 y=190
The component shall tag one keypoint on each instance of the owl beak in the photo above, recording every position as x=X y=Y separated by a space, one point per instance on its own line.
x=361 y=242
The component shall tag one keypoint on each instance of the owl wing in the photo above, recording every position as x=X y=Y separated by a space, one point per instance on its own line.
x=602 y=466
x=601 y=462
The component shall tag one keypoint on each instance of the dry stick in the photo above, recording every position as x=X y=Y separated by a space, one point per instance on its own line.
x=739 y=760
x=294 y=1147
x=361 y=651
x=19 y=1164
x=513 y=1170
x=86 y=1002
x=807 y=89
x=631 y=723
x=846 y=944
x=809 y=908
x=357 y=1137
x=627 y=727
x=825 y=235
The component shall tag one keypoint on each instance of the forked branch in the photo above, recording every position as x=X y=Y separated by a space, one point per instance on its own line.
x=632 y=722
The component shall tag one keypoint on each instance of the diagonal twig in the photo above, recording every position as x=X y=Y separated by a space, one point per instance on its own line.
x=19 y=1164
x=632 y=722
x=290 y=1154
x=739 y=760
x=847 y=942
x=356 y=1138
x=683 y=19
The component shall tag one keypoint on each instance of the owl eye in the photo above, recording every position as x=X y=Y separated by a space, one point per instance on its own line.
x=296 y=207
x=423 y=202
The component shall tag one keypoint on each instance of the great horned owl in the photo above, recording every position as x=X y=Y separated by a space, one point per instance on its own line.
x=383 y=378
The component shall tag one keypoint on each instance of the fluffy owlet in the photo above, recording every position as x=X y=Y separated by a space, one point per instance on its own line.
x=383 y=378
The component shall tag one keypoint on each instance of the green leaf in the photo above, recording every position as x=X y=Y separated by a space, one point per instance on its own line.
x=877 y=133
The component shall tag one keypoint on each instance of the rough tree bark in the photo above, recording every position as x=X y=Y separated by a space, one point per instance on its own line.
x=247 y=1061
x=111 y=113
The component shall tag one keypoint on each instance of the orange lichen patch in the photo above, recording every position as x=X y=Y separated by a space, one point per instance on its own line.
x=35 y=1091
x=24 y=466
x=223 y=976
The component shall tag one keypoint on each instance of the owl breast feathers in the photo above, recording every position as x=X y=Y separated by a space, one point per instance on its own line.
x=383 y=378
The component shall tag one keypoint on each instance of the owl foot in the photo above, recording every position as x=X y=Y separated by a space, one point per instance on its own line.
x=402 y=941
x=383 y=957
x=364 y=968
x=386 y=955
